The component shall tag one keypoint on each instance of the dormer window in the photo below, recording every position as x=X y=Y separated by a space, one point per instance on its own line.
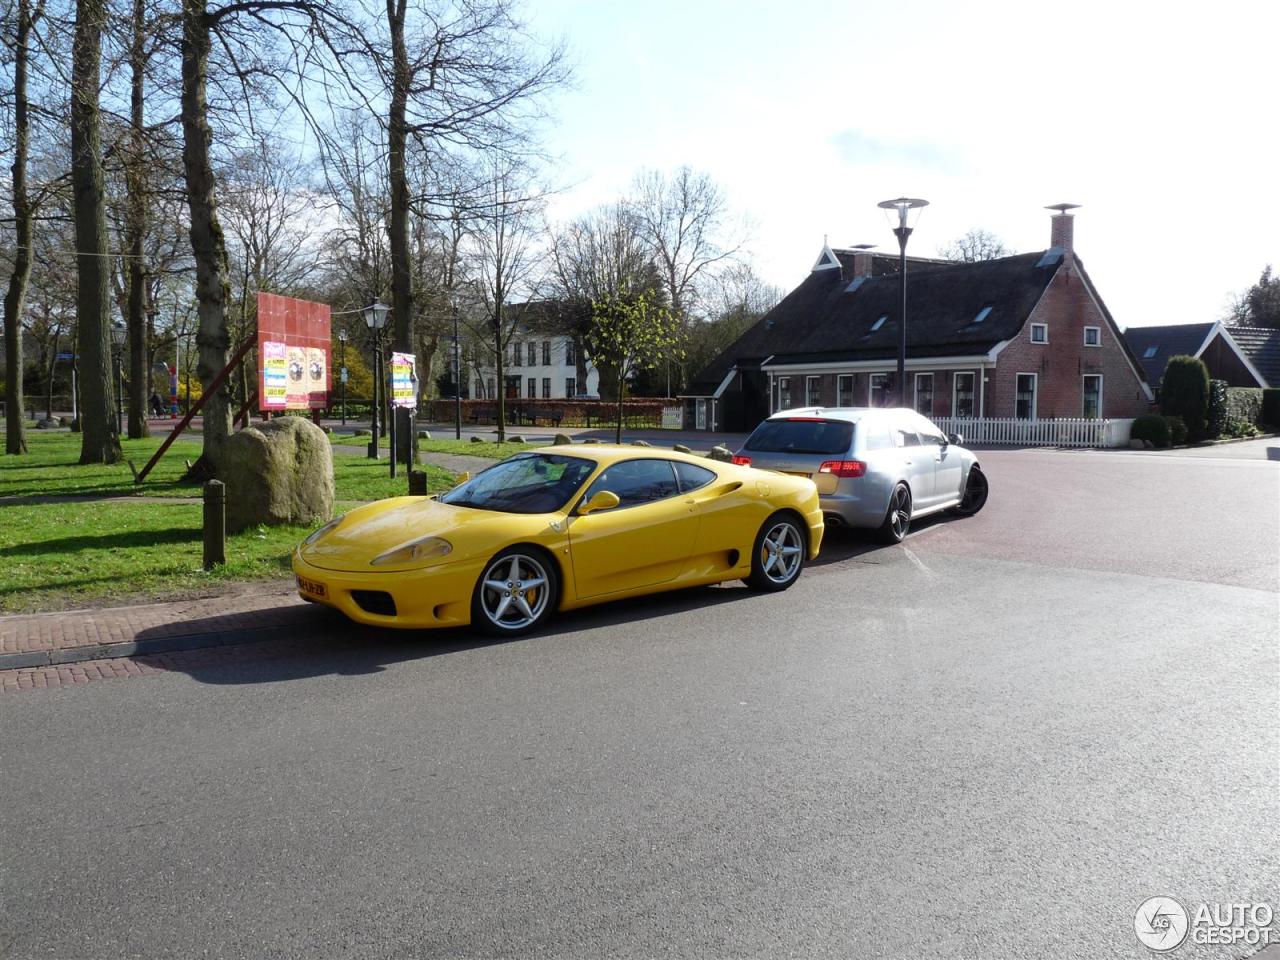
x=879 y=322
x=982 y=315
x=1150 y=352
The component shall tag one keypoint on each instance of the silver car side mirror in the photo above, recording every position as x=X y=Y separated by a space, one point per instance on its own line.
x=955 y=438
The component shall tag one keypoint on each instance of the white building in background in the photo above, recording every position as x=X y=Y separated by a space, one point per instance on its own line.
x=541 y=364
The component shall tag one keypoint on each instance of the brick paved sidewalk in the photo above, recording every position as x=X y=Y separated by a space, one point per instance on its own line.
x=41 y=639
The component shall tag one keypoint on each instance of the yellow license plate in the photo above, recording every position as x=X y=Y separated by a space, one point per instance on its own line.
x=312 y=589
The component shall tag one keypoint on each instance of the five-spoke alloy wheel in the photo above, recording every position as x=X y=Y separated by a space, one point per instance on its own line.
x=897 y=520
x=974 y=497
x=515 y=593
x=779 y=554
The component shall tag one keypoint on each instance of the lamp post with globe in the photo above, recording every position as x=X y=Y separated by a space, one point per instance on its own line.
x=375 y=318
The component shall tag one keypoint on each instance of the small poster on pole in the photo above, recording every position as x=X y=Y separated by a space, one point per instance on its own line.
x=404 y=380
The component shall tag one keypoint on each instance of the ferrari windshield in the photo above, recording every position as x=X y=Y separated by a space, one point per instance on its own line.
x=527 y=483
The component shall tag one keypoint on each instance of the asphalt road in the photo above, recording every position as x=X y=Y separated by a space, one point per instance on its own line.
x=994 y=741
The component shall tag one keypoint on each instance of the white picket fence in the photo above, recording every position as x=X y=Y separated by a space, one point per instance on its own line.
x=1039 y=433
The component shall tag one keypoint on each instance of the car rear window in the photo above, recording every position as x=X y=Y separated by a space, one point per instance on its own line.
x=802 y=436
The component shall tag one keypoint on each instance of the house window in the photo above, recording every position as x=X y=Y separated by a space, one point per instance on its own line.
x=516 y=354
x=492 y=392
x=1150 y=352
x=1039 y=333
x=1091 y=394
x=533 y=354
x=924 y=394
x=569 y=356
x=844 y=390
x=962 y=401
x=546 y=388
x=878 y=390
x=570 y=386
x=546 y=353
x=784 y=393
x=1025 y=401
x=812 y=391
x=879 y=322
x=532 y=390
x=982 y=315
x=1093 y=336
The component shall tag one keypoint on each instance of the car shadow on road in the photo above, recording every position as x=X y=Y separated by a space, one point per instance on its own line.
x=840 y=544
x=321 y=642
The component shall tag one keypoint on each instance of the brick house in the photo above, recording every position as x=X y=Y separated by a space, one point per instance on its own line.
x=1026 y=336
x=1211 y=342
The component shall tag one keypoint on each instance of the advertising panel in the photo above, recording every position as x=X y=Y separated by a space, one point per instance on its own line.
x=404 y=380
x=293 y=353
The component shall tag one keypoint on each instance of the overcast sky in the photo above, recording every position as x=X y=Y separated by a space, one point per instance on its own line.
x=1160 y=119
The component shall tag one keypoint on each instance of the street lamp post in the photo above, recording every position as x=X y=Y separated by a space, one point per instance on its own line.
x=457 y=377
x=342 y=371
x=903 y=207
x=118 y=333
x=375 y=318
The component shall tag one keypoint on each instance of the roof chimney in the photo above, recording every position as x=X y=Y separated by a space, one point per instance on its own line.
x=1062 y=232
x=862 y=257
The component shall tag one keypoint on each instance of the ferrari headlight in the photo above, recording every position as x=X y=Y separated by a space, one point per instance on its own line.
x=331 y=525
x=424 y=548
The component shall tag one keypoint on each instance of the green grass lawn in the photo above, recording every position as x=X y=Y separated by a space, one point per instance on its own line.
x=486 y=448
x=59 y=552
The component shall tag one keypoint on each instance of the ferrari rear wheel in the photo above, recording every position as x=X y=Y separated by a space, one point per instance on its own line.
x=778 y=555
x=515 y=593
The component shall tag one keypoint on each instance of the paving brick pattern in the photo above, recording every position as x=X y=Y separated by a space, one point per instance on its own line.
x=274 y=604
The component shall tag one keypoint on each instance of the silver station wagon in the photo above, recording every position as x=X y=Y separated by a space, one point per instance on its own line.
x=874 y=467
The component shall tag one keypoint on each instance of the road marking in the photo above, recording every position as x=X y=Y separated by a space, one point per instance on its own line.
x=919 y=563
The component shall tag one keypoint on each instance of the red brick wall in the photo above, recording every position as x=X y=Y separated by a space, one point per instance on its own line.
x=1060 y=364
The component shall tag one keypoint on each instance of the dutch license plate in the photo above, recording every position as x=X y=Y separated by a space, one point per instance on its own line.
x=311 y=588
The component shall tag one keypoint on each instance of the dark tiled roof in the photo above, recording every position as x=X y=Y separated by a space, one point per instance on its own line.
x=1262 y=346
x=828 y=318
x=1179 y=339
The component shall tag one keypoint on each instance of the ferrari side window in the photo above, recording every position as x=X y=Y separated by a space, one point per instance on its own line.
x=693 y=476
x=637 y=481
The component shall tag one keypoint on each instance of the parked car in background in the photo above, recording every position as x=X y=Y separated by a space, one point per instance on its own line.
x=546 y=531
x=874 y=467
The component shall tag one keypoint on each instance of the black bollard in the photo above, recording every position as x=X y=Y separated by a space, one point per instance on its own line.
x=215 y=524
x=417 y=483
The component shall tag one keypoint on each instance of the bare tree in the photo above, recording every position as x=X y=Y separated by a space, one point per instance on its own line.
x=684 y=219
x=503 y=261
x=100 y=438
x=23 y=216
x=974 y=246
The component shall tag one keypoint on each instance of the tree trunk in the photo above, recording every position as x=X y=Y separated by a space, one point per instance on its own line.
x=208 y=245
x=135 y=268
x=100 y=437
x=501 y=366
x=15 y=435
x=622 y=393
x=398 y=224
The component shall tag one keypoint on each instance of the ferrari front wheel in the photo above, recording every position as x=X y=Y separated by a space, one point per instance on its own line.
x=515 y=593
x=778 y=555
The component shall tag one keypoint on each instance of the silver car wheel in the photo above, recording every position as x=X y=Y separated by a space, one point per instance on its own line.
x=901 y=511
x=514 y=591
x=781 y=552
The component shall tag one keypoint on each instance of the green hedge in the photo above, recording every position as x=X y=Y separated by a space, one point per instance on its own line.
x=1177 y=430
x=1152 y=428
x=1244 y=403
x=1184 y=392
x=1217 y=414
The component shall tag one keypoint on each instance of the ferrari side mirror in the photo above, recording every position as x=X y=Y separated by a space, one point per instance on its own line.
x=604 y=500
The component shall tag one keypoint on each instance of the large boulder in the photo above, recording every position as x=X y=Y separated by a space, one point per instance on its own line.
x=719 y=452
x=276 y=473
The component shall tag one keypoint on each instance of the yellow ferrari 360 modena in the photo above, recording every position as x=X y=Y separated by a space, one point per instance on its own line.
x=561 y=528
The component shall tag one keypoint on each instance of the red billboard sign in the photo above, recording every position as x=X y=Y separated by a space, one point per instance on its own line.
x=293 y=353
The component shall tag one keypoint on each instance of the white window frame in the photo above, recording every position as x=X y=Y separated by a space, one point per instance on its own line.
x=955 y=392
x=1032 y=333
x=1035 y=394
x=871 y=386
x=1101 y=387
x=1098 y=331
x=570 y=387
x=915 y=393
x=784 y=383
x=812 y=390
x=844 y=394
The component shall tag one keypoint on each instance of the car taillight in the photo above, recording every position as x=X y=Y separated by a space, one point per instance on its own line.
x=741 y=460
x=844 y=468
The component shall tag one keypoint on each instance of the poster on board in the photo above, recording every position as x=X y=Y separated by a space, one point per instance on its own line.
x=293 y=353
x=404 y=380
